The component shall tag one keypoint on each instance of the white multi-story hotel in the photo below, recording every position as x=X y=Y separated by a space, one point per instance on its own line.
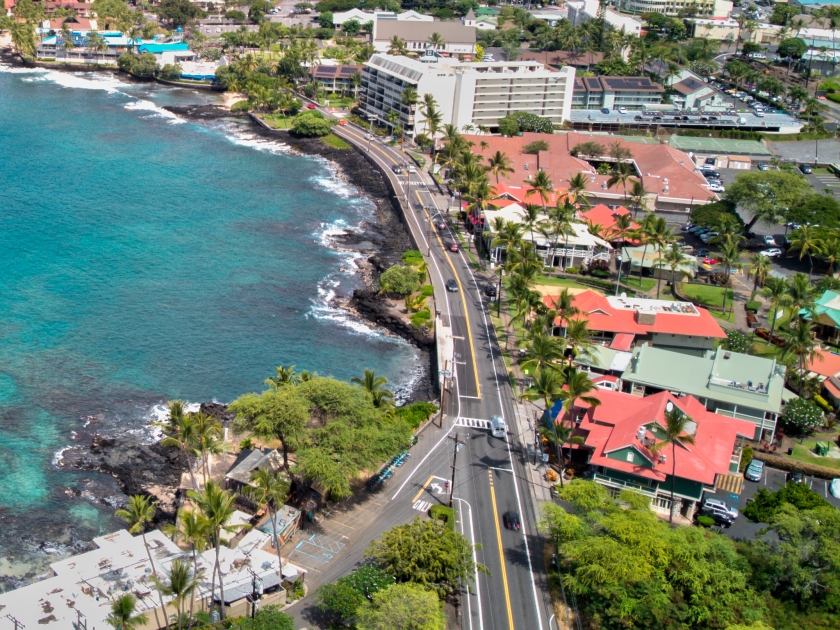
x=717 y=8
x=466 y=93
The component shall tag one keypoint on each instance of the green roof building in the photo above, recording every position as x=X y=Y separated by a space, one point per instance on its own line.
x=486 y=11
x=728 y=383
x=826 y=316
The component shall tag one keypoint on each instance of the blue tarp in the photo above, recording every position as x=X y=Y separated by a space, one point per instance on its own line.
x=159 y=48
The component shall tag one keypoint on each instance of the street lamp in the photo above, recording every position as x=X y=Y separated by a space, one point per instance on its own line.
x=618 y=282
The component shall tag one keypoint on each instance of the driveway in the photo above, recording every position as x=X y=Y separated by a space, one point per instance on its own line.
x=772 y=480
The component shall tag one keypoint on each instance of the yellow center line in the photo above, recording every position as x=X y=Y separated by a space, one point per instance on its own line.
x=372 y=145
x=466 y=312
x=417 y=496
x=501 y=551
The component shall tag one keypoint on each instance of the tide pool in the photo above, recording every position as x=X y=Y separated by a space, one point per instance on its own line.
x=147 y=258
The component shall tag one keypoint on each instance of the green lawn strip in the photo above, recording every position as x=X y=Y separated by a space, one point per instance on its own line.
x=709 y=295
x=560 y=282
x=335 y=142
x=633 y=281
x=276 y=121
x=768 y=351
x=804 y=453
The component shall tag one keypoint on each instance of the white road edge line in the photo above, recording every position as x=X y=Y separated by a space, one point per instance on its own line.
x=510 y=455
x=475 y=562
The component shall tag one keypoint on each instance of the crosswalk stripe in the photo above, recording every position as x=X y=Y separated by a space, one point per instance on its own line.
x=475 y=423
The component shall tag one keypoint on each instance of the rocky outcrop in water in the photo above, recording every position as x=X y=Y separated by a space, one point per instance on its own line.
x=370 y=305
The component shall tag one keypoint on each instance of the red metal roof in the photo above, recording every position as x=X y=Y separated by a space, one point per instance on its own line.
x=601 y=316
x=606 y=217
x=622 y=341
x=614 y=425
x=829 y=366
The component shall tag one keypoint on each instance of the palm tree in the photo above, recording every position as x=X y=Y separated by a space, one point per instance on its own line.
x=776 y=290
x=541 y=183
x=122 y=615
x=217 y=506
x=375 y=386
x=802 y=343
x=800 y=292
x=139 y=513
x=638 y=195
x=182 y=583
x=206 y=440
x=396 y=46
x=285 y=376
x=564 y=304
x=179 y=431
x=622 y=174
x=543 y=352
x=531 y=218
x=578 y=386
x=547 y=386
x=674 y=258
x=730 y=256
x=578 y=338
x=623 y=224
x=806 y=242
x=831 y=250
x=436 y=41
x=194 y=529
x=675 y=435
x=759 y=267
x=577 y=190
x=500 y=164
x=271 y=489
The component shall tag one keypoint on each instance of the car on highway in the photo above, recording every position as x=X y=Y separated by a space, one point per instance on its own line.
x=605 y=110
x=795 y=476
x=451 y=286
x=396 y=169
x=310 y=106
x=440 y=224
x=806 y=169
x=711 y=261
x=490 y=290
x=773 y=252
x=769 y=240
x=342 y=122
x=711 y=502
x=511 y=521
x=763 y=166
x=754 y=470
x=453 y=247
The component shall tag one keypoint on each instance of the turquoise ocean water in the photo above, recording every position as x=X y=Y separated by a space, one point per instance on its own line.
x=146 y=258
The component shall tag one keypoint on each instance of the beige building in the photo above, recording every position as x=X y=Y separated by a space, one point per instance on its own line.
x=458 y=39
x=725 y=29
x=716 y=8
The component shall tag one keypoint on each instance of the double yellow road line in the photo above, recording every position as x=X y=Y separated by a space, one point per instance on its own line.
x=501 y=551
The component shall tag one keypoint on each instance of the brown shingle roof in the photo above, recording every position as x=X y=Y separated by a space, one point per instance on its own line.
x=335 y=72
x=451 y=32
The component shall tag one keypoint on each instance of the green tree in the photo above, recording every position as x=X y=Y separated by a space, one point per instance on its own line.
x=268 y=618
x=311 y=123
x=807 y=242
x=399 y=279
x=427 y=553
x=803 y=415
x=675 y=436
x=675 y=259
x=270 y=488
x=499 y=164
x=122 y=615
x=766 y=194
x=179 y=12
x=278 y=413
x=375 y=386
x=402 y=607
x=179 y=431
x=776 y=290
x=343 y=598
x=181 y=583
x=194 y=529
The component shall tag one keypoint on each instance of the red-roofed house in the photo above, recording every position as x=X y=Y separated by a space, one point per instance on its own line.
x=668 y=174
x=623 y=322
x=9 y=4
x=606 y=217
x=619 y=433
x=827 y=368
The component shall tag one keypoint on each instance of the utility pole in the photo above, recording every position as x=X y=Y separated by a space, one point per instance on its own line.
x=445 y=373
x=79 y=624
x=18 y=624
x=429 y=234
x=456 y=442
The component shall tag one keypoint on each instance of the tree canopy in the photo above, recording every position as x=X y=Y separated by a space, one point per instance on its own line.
x=402 y=607
x=399 y=279
x=767 y=195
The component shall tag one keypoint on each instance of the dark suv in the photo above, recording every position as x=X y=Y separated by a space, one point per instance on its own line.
x=719 y=516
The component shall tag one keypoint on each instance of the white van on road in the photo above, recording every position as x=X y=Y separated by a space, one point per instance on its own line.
x=498 y=427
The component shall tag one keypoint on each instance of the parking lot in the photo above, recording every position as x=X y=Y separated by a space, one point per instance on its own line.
x=772 y=480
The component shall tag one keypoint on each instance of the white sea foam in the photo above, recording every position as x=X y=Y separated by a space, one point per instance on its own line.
x=323 y=309
x=335 y=185
x=252 y=141
x=7 y=69
x=87 y=82
x=59 y=455
x=159 y=112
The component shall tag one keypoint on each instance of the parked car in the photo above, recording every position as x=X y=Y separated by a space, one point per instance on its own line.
x=716 y=187
x=763 y=166
x=605 y=110
x=755 y=470
x=696 y=229
x=773 y=252
x=490 y=290
x=796 y=477
x=793 y=225
x=759 y=113
x=511 y=521
x=806 y=169
x=711 y=261
x=769 y=240
x=711 y=174
x=451 y=286
x=453 y=247
x=702 y=252
x=720 y=505
x=622 y=110
x=686 y=228
x=719 y=516
x=708 y=236
x=637 y=118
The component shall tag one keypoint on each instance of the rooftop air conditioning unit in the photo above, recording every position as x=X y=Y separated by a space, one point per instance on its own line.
x=640 y=434
x=662 y=458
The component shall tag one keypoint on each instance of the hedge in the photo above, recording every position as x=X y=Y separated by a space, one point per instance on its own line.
x=705 y=521
x=443 y=513
x=746 y=457
x=752 y=306
x=784 y=463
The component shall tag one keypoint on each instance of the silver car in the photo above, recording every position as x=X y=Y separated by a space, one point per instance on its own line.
x=755 y=470
x=718 y=504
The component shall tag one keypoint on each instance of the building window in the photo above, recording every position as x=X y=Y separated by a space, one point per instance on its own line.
x=630 y=456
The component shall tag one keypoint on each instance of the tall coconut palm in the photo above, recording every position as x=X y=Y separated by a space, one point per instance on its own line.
x=375 y=386
x=285 y=375
x=396 y=46
x=807 y=242
x=541 y=183
x=217 y=506
x=621 y=175
x=193 y=528
x=802 y=343
x=139 y=513
x=578 y=386
x=269 y=488
x=801 y=292
x=676 y=437
x=561 y=218
x=674 y=258
x=623 y=224
x=638 y=195
x=179 y=430
x=831 y=250
x=547 y=386
x=776 y=290
x=577 y=190
x=543 y=353
x=436 y=41
x=730 y=257
x=206 y=440
x=122 y=615
x=181 y=583
x=564 y=304
x=578 y=339
x=531 y=218
x=499 y=164
x=759 y=267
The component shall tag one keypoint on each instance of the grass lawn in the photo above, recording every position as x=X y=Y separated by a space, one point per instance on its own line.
x=633 y=281
x=822 y=171
x=708 y=294
x=335 y=142
x=341 y=103
x=277 y=121
x=768 y=351
x=561 y=282
x=804 y=453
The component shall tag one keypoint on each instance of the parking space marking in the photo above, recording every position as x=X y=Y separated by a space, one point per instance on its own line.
x=320 y=548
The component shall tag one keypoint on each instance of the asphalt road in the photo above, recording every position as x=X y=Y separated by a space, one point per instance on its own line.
x=490 y=477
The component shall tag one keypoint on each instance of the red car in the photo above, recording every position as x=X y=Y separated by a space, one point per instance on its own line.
x=453 y=247
x=310 y=106
x=710 y=261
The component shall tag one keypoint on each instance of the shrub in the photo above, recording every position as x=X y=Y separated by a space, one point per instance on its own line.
x=241 y=106
x=399 y=279
x=535 y=147
x=600 y=273
x=247 y=443
x=746 y=458
x=752 y=306
x=571 y=269
x=765 y=505
x=416 y=413
x=823 y=403
x=420 y=317
x=443 y=513
x=705 y=521
x=736 y=341
x=427 y=290
x=517 y=122
x=412 y=257
x=311 y=123
x=802 y=415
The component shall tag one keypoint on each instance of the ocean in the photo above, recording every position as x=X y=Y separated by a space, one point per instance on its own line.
x=146 y=258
